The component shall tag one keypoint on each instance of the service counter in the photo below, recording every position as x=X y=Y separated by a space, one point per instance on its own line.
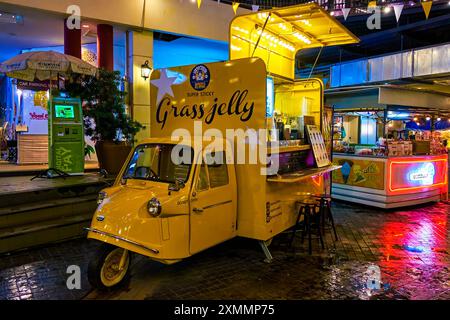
x=390 y=182
x=32 y=149
x=301 y=175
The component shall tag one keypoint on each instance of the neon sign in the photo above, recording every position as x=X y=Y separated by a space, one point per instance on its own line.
x=408 y=175
x=424 y=175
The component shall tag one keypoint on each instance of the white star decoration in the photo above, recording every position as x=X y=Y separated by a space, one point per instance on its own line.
x=164 y=85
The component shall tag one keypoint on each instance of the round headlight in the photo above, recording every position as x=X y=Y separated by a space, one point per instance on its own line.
x=101 y=196
x=154 y=207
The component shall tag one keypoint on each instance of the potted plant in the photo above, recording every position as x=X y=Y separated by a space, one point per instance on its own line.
x=105 y=119
x=88 y=150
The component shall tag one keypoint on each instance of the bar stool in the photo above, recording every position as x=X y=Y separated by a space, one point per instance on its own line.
x=324 y=204
x=307 y=210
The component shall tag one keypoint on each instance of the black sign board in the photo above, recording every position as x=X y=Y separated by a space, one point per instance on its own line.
x=34 y=85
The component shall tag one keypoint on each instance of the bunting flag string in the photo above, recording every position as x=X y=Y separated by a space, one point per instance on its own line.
x=426 y=5
x=372 y=4
x=398 y=8
x=345 y=12
x=235 y=6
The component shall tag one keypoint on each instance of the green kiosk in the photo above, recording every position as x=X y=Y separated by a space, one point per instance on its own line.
x=66 y=136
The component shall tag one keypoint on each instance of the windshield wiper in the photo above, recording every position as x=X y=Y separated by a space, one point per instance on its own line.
x=150 y=178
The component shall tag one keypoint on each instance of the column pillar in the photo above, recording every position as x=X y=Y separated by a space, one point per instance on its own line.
x=105 y=46
x=72 y=41
x=139 y=50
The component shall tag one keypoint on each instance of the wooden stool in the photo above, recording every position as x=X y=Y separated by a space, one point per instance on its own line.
x=324 y=204
x=308 y=211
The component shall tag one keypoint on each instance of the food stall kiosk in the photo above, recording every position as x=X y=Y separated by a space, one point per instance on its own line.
x=169 y=210
x=387 y=141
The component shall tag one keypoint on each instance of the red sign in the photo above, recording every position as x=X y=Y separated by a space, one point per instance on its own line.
x=34 y=85
x=41 y=116
x=416 y=174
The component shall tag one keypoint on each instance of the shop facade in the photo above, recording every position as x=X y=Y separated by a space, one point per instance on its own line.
x=115 y=45
x=392 y=145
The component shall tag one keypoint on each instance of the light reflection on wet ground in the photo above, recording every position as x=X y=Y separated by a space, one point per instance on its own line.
x=410 y=247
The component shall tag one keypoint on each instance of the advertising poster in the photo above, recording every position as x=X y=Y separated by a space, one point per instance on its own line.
x=360 y=173
x=223 y=95
x=35 y=114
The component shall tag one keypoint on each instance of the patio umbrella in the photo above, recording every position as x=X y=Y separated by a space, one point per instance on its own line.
x=45 y=65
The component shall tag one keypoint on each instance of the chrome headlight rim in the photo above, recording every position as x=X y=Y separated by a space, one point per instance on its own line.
x=154 y=207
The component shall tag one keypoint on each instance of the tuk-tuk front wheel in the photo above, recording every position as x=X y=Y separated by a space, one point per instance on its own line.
x=109 y=268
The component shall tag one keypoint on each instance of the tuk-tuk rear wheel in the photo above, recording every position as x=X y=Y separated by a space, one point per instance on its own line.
x=109 y=268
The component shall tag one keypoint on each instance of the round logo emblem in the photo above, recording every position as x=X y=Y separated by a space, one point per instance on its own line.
x=200 y=77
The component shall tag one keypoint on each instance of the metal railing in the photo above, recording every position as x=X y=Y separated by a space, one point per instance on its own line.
x=419 y=62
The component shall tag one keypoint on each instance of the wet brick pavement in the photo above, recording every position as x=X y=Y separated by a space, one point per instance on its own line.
x=410 y=246
x=41 y=273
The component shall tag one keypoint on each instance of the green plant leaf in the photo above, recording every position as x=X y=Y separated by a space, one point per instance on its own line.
x=104 y=107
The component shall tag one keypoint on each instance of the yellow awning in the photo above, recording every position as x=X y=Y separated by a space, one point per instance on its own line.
x=282 y=33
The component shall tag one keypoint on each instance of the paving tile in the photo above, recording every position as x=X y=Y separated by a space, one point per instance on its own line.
x=410 y=246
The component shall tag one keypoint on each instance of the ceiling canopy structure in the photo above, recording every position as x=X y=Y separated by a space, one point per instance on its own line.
x=277 y=35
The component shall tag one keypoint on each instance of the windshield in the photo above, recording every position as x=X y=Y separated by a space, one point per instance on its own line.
x=154 y=162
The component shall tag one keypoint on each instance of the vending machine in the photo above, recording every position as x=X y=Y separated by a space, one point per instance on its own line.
x=66 y=135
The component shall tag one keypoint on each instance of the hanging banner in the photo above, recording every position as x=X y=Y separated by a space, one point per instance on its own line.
x=345 y=12
x=199 y=3
x=188 y=94
x=398 y=8
x=34 y=85
x=255 y=8
x=235 y=6
x=426 y=5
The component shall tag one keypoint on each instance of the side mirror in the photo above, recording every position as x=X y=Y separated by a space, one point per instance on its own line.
x=103 y=173
x=177 y=186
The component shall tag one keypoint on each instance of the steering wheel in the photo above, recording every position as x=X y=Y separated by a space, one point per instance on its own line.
x=153 y=173
x=148 y=172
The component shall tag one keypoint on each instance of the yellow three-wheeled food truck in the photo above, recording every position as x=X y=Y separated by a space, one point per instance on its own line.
x=176 y=194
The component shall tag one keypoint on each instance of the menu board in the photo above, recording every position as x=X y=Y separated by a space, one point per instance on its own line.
x=318 y=146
